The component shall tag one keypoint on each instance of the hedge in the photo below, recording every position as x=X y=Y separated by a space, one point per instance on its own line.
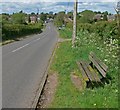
x=104 y=29
x=14 y=31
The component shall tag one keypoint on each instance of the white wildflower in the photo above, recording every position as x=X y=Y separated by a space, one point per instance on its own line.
x=105 y=60
x=116 y=90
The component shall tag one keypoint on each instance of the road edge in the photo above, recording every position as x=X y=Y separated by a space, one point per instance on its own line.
x=41 y=86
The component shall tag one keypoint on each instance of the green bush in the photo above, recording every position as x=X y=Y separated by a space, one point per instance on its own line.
x=13 y=31
x=103 y=29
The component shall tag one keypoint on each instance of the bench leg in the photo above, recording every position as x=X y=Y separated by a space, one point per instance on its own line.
x=105 y=81
x=92 y=85
x=89 y=84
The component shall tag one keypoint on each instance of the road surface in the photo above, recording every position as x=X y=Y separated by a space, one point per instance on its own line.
x=24 y=63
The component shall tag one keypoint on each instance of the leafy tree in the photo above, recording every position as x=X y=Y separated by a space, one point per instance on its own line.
x=106 y=13
x=21 y=11
x=32 y=13
x=86 y=16
x=5 y=18
x=43 y=16
x=105 y=17
x=29 y=20
x=59 y=19
x=50 y=15
x=99 y=12
x=18 y=18
x=70 y=15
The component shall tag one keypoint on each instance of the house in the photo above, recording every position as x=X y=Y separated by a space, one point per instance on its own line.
x=33 y=19
x=98 y=17
x=111 y=17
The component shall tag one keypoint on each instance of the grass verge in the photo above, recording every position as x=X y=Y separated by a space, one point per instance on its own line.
x=65 y=33
x=67 y=95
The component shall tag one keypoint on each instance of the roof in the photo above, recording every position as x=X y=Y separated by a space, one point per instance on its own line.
x=111 y=17
x=98 y=16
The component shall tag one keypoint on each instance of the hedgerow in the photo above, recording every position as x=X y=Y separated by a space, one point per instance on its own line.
x=103 y=29
x=13 y=31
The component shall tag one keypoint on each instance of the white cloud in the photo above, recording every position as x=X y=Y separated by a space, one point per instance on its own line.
x=55 y=7
x=27 y=1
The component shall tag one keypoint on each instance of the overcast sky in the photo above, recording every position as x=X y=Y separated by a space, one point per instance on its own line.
x=10 y=6
x=27 y=1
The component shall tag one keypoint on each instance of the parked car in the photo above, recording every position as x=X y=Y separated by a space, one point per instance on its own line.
x=59 y=28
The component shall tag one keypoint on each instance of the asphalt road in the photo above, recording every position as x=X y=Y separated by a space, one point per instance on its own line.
x=23 y=65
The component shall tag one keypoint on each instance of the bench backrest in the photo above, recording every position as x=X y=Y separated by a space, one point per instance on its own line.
x=101 y=67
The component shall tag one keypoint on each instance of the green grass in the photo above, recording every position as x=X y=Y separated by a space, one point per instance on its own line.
x=67 y=95
x=65 y=33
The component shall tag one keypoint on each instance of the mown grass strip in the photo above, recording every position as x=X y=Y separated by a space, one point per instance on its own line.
x=67 y=95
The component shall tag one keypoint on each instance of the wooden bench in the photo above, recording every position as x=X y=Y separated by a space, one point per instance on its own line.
x=93 y=71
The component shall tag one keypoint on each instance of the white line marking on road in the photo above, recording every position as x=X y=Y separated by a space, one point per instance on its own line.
x=20 y=47
x=38 y=38
x=25 y=45
x=35 y=40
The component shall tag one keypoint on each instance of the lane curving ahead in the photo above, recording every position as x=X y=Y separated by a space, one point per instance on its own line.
x=23 y=66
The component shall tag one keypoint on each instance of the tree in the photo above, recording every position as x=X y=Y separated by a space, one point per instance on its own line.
x=51 y=12
x=118 y=6
x=29 y=20
x=18 y=18
x=86 y=16
x=5 y=18
x=43 y=16
x=32 y=13
x=106 y=13
x=70 y=15
x=50 y=15
x=21 y=11
x=105 y=16
x=59 y=18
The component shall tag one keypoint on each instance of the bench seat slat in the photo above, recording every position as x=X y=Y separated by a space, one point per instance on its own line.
x=93 y=73
x=105 y=67
x=97 y=66
x=87 y=71
x=82 y=71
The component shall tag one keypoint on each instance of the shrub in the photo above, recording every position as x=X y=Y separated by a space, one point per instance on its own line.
x=13 y=31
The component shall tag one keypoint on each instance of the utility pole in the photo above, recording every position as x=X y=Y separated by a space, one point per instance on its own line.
x=74 y=23
x=117 y=9
x=37 y=11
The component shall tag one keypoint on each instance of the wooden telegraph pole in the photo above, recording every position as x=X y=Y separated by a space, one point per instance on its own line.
x=74 y=23
x=117 y=9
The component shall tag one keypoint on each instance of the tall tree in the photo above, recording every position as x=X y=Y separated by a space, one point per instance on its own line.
x=29 y=20
x=86 y=16
x=105 y=17
x=59 y=18
x=43 y=16
x=70 y=15
x=18 y=18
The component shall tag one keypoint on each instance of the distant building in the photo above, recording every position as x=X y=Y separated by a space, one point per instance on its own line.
x=98 y=17
x=33 y=18
x=111 y=17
